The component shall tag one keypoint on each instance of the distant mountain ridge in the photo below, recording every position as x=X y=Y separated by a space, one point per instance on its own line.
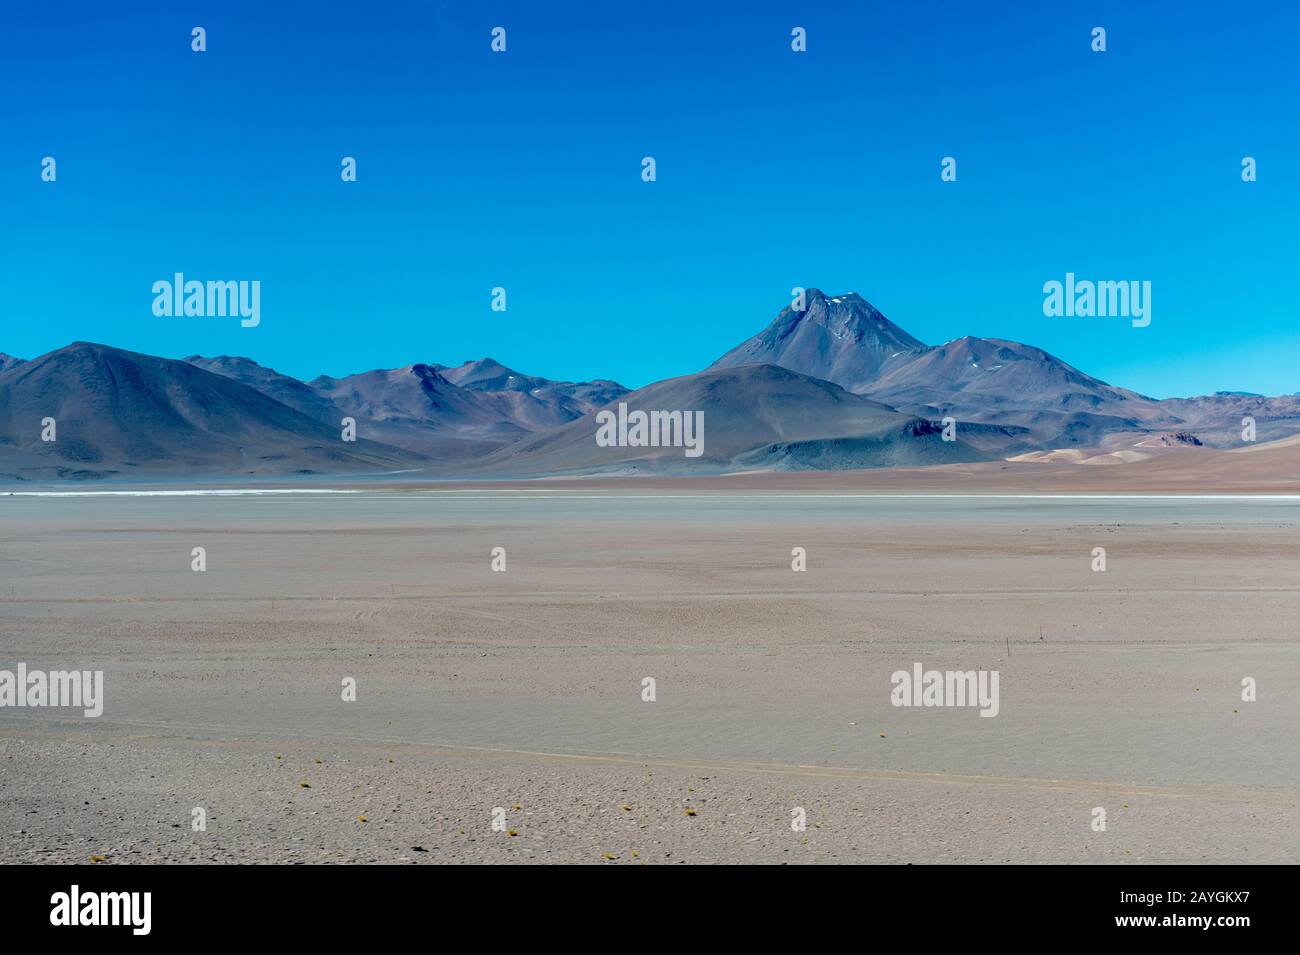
x=831 y=385
x=431 y=407
x=117 y=413
x=1040 y=401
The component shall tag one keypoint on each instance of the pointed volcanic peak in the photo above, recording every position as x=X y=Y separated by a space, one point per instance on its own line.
x=841 y=338
x=286 y=390
x=753 y=416
x=120 y=413
x=9 y=361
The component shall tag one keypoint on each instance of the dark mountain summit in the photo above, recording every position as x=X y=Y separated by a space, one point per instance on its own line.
x=843 y=339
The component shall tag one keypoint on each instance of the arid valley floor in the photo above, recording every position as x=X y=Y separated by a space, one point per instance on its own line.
x=523 y=690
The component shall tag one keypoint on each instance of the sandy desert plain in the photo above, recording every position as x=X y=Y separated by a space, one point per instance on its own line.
x=522 y=690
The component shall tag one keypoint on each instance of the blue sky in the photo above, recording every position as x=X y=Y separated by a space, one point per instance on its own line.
x=775 y=169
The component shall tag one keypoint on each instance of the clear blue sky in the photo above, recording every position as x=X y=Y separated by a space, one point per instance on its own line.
x=775 y=169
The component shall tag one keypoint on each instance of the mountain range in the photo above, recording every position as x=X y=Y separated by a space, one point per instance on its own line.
x=832 y=385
